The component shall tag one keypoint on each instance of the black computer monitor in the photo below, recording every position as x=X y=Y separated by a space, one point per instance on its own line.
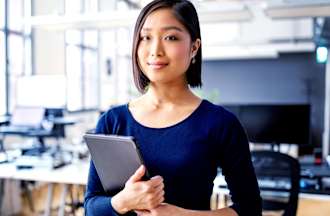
x=274 y=124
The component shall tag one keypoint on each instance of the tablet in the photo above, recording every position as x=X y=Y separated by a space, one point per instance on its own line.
x=115 y=158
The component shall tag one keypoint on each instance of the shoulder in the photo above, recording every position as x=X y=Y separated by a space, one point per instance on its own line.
x=110 y=117
x=218 y=113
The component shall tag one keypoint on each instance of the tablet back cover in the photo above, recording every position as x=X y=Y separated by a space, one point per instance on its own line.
x=115 y=159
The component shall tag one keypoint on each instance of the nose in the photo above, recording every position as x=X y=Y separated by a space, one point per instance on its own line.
x=156 y=48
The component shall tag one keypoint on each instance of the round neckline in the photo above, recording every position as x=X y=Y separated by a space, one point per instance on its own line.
x=170 y=126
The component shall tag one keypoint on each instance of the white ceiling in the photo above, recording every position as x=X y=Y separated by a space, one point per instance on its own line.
x=253 y=25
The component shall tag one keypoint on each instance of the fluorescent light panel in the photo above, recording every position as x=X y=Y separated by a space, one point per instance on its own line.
x=281 y=12
x=225 y=16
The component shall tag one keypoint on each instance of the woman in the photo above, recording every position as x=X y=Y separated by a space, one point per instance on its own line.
x=182 y=138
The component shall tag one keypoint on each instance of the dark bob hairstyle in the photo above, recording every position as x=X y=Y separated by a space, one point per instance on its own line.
x=186 y=13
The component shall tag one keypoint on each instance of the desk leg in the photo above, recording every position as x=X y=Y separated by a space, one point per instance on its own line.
x=2 y=145
x=2 y=187
x=48 y=207
x=61 y=210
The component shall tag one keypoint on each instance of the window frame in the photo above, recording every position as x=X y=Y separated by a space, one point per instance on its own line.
x=26 y=36
x=84 y=46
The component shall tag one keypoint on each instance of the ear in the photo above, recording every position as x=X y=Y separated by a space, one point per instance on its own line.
x=195 y=46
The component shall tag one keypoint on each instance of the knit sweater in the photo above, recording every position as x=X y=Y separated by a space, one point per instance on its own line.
x=187 y=155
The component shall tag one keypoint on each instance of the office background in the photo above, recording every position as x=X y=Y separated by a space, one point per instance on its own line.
x=76 y=55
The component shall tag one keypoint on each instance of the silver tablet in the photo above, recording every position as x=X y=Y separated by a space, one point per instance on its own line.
x=115 y=158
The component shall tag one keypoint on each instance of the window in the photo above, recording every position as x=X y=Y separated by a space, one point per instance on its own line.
x=2 y=14
x=82 y=61
x=2 y=75
x=17 y=61
x=16 y=65
x=73 y=69
x=73 y=6
x=15 y=15
x=91 y=93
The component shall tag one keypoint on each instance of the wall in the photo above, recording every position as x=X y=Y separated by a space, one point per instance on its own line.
x=289 y=79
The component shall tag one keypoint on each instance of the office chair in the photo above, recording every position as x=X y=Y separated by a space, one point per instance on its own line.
x=277 y=173
x=58 y=131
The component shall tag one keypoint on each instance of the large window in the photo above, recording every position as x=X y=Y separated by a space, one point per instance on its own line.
x=2 y=60
x=16 y=39
x=2 y=13
x=82 y=61
x=19 y=46
x=2 y=75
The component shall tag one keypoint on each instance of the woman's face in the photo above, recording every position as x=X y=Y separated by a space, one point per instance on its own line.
x=165 y=48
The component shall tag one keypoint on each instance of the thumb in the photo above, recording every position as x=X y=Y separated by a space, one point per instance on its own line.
x=139 y=173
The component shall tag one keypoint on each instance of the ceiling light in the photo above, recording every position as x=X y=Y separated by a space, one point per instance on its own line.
x=282 y=11
x=241 y=15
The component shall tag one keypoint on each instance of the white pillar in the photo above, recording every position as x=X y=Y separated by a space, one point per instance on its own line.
x=326 y=132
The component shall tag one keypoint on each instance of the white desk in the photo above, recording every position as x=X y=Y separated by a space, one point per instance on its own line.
x=72 y=174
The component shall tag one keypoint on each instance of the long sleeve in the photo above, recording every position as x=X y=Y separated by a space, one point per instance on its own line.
x=238 y=170
x=97 y=202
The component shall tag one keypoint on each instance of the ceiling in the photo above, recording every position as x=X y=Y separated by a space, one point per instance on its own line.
x=214 y=11
x=286 y=24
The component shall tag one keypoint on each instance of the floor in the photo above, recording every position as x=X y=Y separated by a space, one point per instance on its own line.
x=39 y=196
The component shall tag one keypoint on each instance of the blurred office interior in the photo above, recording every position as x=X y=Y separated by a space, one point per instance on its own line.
x=64 y=62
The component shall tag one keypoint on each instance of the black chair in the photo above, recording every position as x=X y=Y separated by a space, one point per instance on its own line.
x=58 y=130
x=278 y=174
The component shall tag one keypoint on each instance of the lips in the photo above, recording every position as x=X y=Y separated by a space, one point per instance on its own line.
x=157 y=65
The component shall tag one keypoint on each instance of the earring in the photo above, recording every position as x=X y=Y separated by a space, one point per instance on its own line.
x=193 y=61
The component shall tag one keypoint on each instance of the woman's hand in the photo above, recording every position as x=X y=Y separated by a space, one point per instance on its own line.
x=139 y=195
x=163 y=209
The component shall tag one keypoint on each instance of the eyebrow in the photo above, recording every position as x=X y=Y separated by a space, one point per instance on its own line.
x=167 y=28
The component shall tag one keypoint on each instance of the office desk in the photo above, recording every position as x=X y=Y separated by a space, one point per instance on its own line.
x=57 y=121
x=5 y=131
x=315 y=171
x=63 y=121
x=72 y=174
x=279 y=189
x=55 y=131
x=29 y=133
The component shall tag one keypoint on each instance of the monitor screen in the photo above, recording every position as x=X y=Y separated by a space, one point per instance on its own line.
x=27 y=116
x=41 y=90
x=274 y=123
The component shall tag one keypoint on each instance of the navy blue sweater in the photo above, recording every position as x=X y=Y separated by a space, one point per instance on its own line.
x=186 y=155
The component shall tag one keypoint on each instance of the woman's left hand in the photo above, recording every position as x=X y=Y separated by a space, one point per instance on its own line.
x=163 y=209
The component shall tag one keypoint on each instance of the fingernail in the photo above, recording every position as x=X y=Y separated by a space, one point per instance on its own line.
x=155 y=177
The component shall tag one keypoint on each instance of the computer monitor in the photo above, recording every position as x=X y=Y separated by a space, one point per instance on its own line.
x=27 y=116
x=42 y=90
x=275 y=124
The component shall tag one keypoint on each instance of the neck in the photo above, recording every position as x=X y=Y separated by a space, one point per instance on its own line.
x=165 y=95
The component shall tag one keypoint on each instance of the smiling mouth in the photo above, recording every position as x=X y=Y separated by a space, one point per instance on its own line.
x=157 y=65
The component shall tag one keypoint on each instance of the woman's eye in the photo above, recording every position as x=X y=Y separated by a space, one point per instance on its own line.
x=144 y=38
x=171 y=38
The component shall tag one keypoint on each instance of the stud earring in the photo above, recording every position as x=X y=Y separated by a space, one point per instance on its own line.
x=193 y=61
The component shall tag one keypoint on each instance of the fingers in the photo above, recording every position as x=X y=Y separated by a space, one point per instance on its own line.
x=153 y=186
x=142 y=212
x=159 y=198
x=155 y=197
x=144 y=195
x=139 y=173
x=155 y=181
